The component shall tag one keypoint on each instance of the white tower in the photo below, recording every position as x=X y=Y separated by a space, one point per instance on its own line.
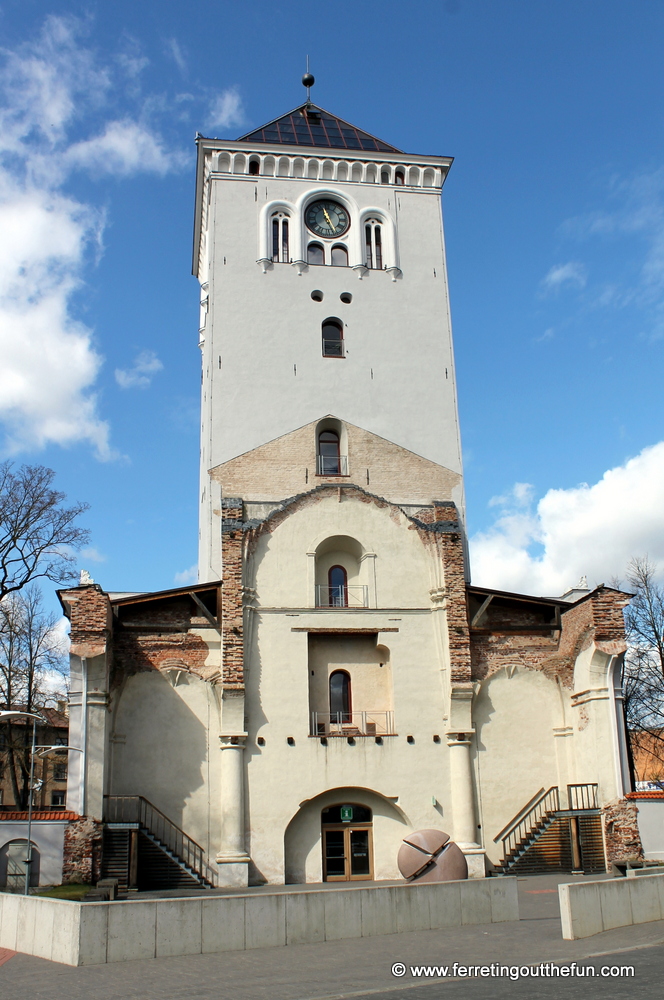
x=320 y=254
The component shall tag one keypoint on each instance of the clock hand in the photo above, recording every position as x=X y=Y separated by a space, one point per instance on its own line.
x=329 y=220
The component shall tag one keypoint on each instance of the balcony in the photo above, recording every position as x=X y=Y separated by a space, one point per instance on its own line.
x=352 y=724
x=333 y=348
x=332 y=465
x=355 y=596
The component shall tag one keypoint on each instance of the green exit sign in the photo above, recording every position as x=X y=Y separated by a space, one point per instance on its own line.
x=346 y=814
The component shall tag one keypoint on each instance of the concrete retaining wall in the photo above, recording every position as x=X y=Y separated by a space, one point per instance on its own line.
x=588 y=908
x=95 y=933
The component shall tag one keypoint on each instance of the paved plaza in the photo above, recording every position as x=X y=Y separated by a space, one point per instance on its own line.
x=363 y=967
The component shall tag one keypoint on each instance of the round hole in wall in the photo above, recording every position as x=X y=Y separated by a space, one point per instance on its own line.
x=317 y=295
x=410 y=739
x=436 y=739
x=261 y=741
x=346 y=297
x=379 y=741
x=290 y=741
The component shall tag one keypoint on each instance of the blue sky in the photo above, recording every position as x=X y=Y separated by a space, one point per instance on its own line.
x=554 y=214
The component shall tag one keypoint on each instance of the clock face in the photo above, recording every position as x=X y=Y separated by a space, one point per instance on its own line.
x=327 y=219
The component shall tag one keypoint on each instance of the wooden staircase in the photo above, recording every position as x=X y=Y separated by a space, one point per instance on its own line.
x=144 y=850
x=545 y=838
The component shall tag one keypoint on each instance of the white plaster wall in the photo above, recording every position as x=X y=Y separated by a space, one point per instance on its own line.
x=593 y=719
x=165 y=748
x=651 y=827
x=414 y=777
x=515 y=754
x=49 y=840
x=263 y=323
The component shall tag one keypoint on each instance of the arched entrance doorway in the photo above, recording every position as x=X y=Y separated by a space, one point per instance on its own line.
x=347 y=843
x=12 y=865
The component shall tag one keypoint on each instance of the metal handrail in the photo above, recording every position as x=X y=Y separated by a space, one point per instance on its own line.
x=546 y=802
x=582 y=796
x=136 y=809
x=352 y=723
x=342 y=596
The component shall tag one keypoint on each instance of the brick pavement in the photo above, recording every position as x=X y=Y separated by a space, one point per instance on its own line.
x=363 y=967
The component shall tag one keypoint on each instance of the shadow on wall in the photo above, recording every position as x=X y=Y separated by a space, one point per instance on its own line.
x=303 y=841
x=12 y=865
x=160 y=745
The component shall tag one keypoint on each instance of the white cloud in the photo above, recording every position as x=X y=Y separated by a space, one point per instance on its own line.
x=226 y=109
x=53 y=94
x=125 y=148
x=139 y=376
x=586 y=530
x=572 y=274
x=187 y=576
x=174 y=50
x=92 y=554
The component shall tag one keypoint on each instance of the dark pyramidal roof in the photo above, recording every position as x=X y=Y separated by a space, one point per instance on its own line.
x=309 y=125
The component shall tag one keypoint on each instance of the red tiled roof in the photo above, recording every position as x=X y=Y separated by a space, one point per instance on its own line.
x=645 y=795
x=21 y=815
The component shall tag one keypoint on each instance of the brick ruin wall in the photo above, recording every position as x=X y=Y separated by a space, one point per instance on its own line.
x=81 y=860
x=621 y=832
x=232 y=619
x=597 y=619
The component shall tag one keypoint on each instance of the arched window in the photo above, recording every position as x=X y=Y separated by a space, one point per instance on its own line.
x=315 y=254
x=280 y=238
x=384 y=177
x=373 y=239
x=341 y=706
x=338 y=587
x=399 y=177
x=333 y=339
x=329 y=456
x=339 y=256
x=254 y=167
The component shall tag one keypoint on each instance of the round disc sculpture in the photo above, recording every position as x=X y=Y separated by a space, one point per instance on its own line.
x=430 y=856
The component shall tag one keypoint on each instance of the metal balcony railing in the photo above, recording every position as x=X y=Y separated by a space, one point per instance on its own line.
x=333 y=348
x=356 y=596
x=352 y=723
x=332 y=465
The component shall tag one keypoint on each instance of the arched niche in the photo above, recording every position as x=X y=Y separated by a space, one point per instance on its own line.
x=339 y=428
x=298 y=167
x=429 y=178
x=357 y=172
x=284 y=166
x=303 y=835
x=371 y=173
x=224 y=163
x=268 y=166
x=328 y=170
x=312 y=170
x=414 y=176
x=239 y=163
x=342 y=172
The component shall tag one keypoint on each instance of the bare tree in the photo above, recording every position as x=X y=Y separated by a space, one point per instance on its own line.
x=37 y=532
x=33 y=674
x=643 y=671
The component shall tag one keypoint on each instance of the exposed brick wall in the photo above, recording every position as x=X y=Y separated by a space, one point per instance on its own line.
x=288 y=464
x=91 y=619
x=454 y=568
x=82 y=851
x=598 y=618
x=232 y=546
x=136 y=652
x=621 y=832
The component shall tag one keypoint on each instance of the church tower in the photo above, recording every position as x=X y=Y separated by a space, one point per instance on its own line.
x=333 y=683
x=320 y=254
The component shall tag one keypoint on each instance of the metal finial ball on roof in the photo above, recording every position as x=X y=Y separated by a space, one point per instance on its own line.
x=308 y=80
